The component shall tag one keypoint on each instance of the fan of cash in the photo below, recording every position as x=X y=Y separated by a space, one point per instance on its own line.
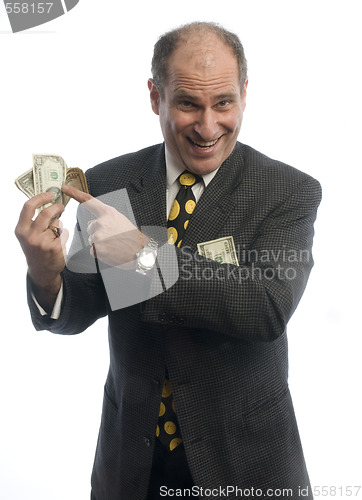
x=49 y=173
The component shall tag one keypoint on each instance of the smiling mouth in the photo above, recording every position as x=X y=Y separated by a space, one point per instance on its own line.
x=204 y=145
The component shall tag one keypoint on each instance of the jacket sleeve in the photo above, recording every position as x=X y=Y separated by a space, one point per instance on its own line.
x=255 y=300
x=83 y=303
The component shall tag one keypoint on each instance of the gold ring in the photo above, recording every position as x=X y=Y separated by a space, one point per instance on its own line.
x=56 y=230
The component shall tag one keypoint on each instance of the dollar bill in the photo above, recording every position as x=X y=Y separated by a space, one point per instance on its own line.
x=221 y=250
x=49 y=173
x=75 y=177
x=25 y=183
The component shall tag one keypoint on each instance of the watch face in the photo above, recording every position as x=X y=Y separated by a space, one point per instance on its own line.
x=147 y=259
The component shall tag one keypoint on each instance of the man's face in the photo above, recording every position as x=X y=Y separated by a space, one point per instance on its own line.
x=202 y=108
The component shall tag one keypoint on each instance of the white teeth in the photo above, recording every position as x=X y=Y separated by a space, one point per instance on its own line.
x=205 y=144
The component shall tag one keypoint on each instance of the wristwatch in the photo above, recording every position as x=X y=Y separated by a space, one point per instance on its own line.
x=146 y=257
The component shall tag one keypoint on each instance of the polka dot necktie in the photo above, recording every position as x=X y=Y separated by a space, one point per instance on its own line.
x=167 y=429
x=182 y=208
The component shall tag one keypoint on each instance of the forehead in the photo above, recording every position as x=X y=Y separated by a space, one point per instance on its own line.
x=203 y=63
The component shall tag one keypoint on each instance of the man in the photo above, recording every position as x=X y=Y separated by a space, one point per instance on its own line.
x=219 y=333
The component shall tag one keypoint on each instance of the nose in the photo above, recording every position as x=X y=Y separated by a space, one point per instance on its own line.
x=207 y=125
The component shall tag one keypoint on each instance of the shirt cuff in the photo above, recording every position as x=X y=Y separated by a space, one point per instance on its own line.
x=56 y=308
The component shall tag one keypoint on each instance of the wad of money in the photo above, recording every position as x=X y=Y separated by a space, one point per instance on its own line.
x=49 y=173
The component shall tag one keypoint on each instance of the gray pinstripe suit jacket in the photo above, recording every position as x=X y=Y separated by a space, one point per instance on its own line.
x=222 y=338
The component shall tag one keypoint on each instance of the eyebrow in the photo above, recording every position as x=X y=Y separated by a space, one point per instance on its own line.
x=228 y=95
x=182 y=94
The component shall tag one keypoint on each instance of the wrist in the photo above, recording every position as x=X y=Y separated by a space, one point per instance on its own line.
x=144 y=240
x=45 y=283
x=147 y=255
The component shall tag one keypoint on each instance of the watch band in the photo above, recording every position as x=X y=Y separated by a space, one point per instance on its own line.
x=146 y=257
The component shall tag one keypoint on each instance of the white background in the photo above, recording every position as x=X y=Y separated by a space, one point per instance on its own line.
x=77 y=87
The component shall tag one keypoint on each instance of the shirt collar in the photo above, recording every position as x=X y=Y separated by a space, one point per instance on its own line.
x=173 y=170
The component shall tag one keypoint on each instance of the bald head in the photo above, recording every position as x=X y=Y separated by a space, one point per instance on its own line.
x=197 y=41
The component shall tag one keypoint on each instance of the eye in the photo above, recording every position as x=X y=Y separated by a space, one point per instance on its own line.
x=186 y=105
x=224 y=104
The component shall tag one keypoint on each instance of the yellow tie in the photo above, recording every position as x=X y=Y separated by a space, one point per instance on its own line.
x=182 y=208
x=167 y=429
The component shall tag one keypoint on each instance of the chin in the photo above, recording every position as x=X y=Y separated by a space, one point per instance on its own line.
x=203 y=168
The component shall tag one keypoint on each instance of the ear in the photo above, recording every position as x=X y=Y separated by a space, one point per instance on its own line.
x=243 y=96
x=154 y=96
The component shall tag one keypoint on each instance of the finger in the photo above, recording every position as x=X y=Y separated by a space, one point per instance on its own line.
x=48 y=216
x=55 y=230
x=57 y=223
x=92 y=226
x=95 y=206
x=65 y=235
x=32 y=204
x=93 y=252
x=56 y=240
x=76 y=194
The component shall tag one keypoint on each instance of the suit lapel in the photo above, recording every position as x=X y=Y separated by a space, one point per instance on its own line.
x=217 y=201
x=147 y=193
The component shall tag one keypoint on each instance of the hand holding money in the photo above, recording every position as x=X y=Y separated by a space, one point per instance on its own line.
x=44 y=251
x=42 y=238
x=48 y=174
